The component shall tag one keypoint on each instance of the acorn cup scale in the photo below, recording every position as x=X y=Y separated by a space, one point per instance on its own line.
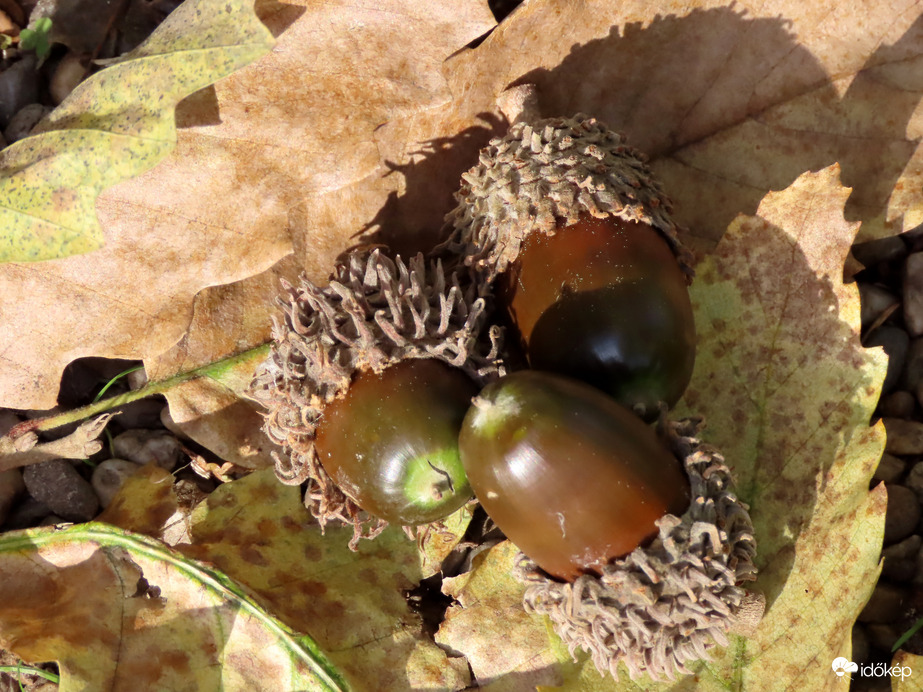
x=569 y=475
x=391 y=441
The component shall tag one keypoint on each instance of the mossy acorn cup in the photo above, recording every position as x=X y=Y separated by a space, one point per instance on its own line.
x=633 y=543
x=366 y=387
x=578 y=236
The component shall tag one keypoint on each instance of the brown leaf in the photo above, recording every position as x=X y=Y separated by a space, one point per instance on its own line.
x=230 y=201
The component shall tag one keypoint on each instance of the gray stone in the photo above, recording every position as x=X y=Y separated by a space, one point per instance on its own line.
x=26 y=513
x=146 y=446
x=904 y=436
x=18 y=88
x=874 y=252
x=109 y=477
x=913 y=366
x=899 y=404
x=886 y=604
x=65 y=492
x=144 y=413
x=11 y=487
x=895 y=343
x=914 y=480
x=890 y=468
x=882 y=635
x=913 y=294
x=901 y=559
x=874 y=300
x=21 y=124
x=903 y=513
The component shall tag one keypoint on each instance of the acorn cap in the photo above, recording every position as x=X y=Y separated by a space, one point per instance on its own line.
x=547 y=173
x=670 y=603
x=375 y=312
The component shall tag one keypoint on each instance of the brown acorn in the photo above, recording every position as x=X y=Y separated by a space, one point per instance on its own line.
x=578 y=235
x=366 y=386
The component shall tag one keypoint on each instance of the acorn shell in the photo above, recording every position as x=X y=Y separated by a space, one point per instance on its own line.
x=375 y=312
x=545 y=174
x=667 y=604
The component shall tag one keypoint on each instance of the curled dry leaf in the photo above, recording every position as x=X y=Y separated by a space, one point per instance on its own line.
x=20 y=447
x=258 y=532
x=118 y=610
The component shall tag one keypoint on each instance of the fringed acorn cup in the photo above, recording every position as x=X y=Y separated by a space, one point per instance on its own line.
x=568 y=225
x=636 y=546
x=366 y=386
x=669 y=603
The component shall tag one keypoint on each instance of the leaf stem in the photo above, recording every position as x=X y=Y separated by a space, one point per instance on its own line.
x=213 y=370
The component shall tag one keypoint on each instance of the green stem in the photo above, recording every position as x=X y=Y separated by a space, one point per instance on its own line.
x=29 y=670
x=213 y=370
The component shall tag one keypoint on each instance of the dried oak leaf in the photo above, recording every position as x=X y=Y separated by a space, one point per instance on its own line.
x=120 y=611
x=115 y=125
x=787 y=392
x=228 y=203
x=258 y=532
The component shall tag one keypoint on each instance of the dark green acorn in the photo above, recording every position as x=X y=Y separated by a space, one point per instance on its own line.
x=573 y=478
x=605 y=301
x=391 y=441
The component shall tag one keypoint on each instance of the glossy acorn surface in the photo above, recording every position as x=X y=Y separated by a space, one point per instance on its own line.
x=391 y=443
x=571 y=477
x=605 y=301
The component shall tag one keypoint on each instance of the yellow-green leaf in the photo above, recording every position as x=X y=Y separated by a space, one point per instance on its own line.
x=258 y=532
x=787 y=392
x=115 y=125
x=119 y=610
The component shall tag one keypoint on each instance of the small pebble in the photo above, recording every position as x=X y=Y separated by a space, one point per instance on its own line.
x=22 y=123
x=874 y=252
x=899 y=404
x=18 y=88
x=873 y=301
x=890 y=468
x=26 y=513
x=914 y=480
x=144 y=413
x=895 y=343
x=904 y=436
x=11 y=487
x=903 y=513
x=901 y=559
x=67 y=75
x=913 y=294
x=109 y=477
x=913 y=366
x=882 y=635
x=145 y=446
x=885 y=605
x=65 y=492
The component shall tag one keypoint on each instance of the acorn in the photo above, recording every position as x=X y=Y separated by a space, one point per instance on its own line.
x=571 y=224
x=366 y=386
x=633 y=544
